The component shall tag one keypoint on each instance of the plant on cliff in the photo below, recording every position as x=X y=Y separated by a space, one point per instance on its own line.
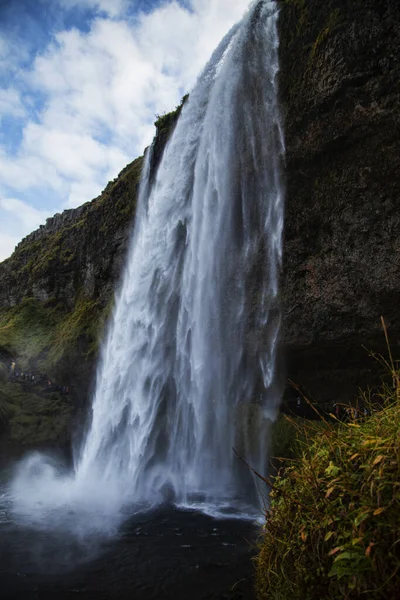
x=333 y=526
x=165 y=120
x=26 y=330
x=42 y=336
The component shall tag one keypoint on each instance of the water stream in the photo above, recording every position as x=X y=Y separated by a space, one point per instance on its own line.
x=188 y=368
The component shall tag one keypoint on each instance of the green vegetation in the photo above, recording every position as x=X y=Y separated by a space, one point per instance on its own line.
x=41 y=335
x=45 y=339
x=332 y=23
x=118 y=201
x=330 y=17
x=26 y=330
x=333 y=526
x=288 y=435
x=50 y=255
x=79 y=322
x=33 y=419
x=167 y=119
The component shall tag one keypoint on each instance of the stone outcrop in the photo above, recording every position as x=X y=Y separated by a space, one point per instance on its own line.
x=78 y=252
x=340 y=89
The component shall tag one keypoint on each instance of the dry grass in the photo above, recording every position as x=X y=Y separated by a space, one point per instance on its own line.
x=333 y=526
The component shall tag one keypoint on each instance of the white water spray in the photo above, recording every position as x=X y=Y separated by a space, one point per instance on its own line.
x=187 y=371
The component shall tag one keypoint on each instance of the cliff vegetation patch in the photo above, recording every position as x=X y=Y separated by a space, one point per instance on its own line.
x=333 y=526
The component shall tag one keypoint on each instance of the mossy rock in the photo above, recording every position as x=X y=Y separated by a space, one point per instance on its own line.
x=28 y=418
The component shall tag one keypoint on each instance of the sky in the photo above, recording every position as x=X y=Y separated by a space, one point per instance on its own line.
x=81 y=83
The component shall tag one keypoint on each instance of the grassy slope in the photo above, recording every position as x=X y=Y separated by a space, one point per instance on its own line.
x=333 y=526
x=42 y=336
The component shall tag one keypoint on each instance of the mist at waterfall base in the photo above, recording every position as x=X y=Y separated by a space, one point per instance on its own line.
x=188 y=368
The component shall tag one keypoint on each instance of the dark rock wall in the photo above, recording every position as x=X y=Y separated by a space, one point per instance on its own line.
x=340 y=89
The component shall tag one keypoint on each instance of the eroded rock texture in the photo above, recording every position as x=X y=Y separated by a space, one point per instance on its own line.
x=340 y=88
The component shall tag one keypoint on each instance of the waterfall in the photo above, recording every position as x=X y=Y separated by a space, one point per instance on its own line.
x=188 y=367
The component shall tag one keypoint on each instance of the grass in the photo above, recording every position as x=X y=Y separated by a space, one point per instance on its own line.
x=79 y=322
x=167 y=119
x=26 y=330
x=333 y=526
x=41 y=336
x=288 y=435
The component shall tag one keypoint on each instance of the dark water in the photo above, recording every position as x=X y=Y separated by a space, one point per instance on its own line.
x=168 y=553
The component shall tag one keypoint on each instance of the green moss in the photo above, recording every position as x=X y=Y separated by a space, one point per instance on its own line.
x=307 y=27
x=82 y=321
x=300 y=18
x=42 y=336
x=67 y=256
x=49 y=255
x=332 y=23
x=26 y=330
x=98 y=327
x=123 y=193
x=27 y=248
x=309 y=33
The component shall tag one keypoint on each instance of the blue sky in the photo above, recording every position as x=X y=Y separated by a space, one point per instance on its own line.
x=80 y=84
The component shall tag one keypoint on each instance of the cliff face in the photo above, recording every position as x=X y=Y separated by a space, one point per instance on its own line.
x=340 y=88
x=340 y=92
x=77 y=252
x=56 y=291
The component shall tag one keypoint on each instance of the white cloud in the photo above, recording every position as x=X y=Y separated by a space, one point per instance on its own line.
x=7 y=244
x=21 y=211
x=102 y=89
x=18 y=219
x=10 y=104
x=27 y=171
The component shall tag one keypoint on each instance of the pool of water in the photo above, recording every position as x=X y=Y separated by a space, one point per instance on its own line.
x=168 y=552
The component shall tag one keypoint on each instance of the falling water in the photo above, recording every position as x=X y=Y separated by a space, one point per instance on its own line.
x=187 y=371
